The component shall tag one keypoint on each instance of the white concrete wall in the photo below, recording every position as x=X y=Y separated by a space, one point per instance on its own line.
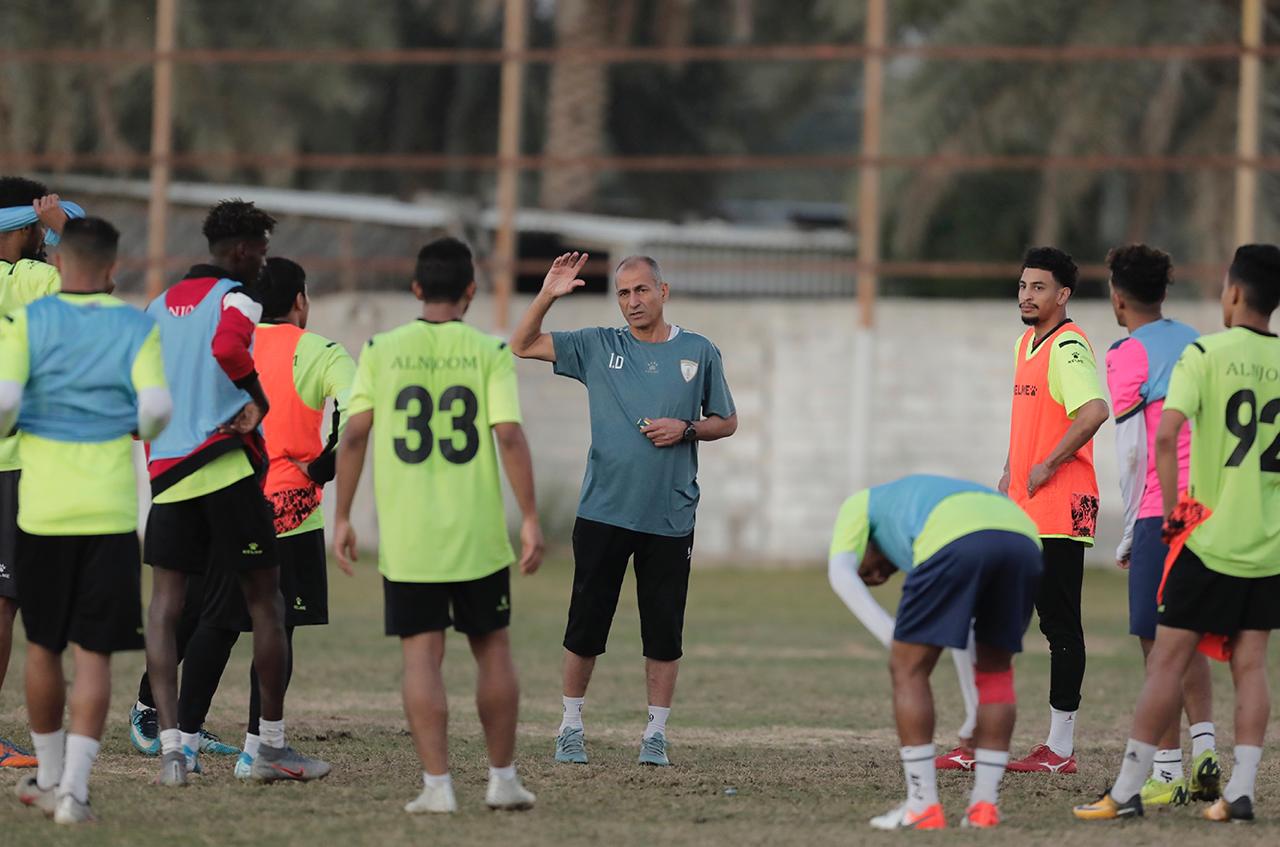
x=940 y=376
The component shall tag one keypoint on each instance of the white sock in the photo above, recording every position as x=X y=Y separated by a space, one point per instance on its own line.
x=251 y=744
x=1138 y=757
x=170 y=741
x=1062 y=732
x=50 y=755
x=191 y=741
x=1244 y=774
x=572 y=718
x=271 y=732
x=921 y=776
x=509 y=772
x=435 y=781
x=141 y=706
x=657 y=721
x=82 y=752
x=988 y=768
x=1167 y=766
x=1202 y=738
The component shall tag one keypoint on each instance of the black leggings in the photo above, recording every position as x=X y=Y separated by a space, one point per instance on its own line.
x=1058 y=603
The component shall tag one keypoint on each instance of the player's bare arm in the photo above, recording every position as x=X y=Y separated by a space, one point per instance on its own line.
x=665 y=432
x=529 y=341
x=517 y=461
x=355 y=439
x=1089 y=419
x=1171 y=423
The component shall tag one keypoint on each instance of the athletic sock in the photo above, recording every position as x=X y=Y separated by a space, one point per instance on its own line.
x=1062 y=732
x=1244 y=774
x=1167 y=766
x=1138 y=757
x=191 y=741
x=988 y=769
x=1202 y=738
x=271 y=732
x=572 y=718
x=170 y=741
x=921 y=776
x=82 y=752
x=435 y=781
x=509 y=772
x=141 y=706
x=251 y=744
x=50 y=755
x=657 y=721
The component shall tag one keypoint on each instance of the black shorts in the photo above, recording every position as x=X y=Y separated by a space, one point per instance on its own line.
x=84 y=589
x=304 y=582
x=480 y=606
x=600 y=555
x=9 y=533
x=230 y=529
x=1203 y=600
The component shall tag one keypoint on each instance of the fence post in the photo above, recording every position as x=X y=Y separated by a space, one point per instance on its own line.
x=161 y=144
x=514 y=25
x=1246 y=212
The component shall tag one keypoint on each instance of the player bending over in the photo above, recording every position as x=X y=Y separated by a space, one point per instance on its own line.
x=80 y=371
x=1221 y=589
x=970 y=555
x=437 y=394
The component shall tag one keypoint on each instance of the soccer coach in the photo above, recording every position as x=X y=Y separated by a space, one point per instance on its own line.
x=654 y=390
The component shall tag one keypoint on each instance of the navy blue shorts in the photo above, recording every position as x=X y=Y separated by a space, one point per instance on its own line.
x=1146 y=568
x=987 y=578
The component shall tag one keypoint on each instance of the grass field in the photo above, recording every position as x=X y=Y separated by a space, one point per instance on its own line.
x=782 y=697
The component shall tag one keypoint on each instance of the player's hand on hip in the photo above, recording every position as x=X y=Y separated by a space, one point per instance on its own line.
x=531 y=546
x=49 y=210
x=344 y=545
x=245 y=421
x=1003 y=485
x=563 y=276
x=664 y=432
x=1039 y=476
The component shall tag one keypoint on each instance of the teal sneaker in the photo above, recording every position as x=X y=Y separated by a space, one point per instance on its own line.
x=244 y=766
x=212 y=744
x=1206 y=777
x=144 y=732
x=571 y=747
x=193 y=760
x=653 y=751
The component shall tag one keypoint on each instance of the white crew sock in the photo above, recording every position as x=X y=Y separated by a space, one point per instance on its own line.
x=507 y=773
x=988 y=768
x=170 y=741
x=1202 y=738
x=1167 y=766
x=141 y=706
x=271 y=732
x=82 y=752
x=1062 y=732
x=572 y=718
x=431 y=780
x=50 y=755
x=921 y=776
x=1244 y=774
x=251 y=744
x=1138 y=757
x=191 y=741
x=657 y=721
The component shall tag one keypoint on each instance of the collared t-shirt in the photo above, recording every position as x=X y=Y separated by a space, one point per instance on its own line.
x=629 y=482
x=22 y=282
x=77 y=488
x=1228 y=386
x=436 y=391
x=913 y=518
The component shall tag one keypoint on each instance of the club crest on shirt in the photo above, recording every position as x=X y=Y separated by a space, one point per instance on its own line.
x=688 y=369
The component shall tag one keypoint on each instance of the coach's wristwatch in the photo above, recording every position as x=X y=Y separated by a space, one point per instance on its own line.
x=690 y=432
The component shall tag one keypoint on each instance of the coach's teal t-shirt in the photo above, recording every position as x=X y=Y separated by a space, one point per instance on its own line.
x=629 y=482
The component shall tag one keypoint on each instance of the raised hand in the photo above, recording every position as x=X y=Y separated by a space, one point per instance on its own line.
x=49 y=210
x=563 y=276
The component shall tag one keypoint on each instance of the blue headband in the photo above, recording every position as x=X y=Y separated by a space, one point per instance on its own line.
x=18 y=217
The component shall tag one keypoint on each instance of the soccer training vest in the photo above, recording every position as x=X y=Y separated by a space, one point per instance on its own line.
x=291 y=427
x=80 y=388
x=1068 y=504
